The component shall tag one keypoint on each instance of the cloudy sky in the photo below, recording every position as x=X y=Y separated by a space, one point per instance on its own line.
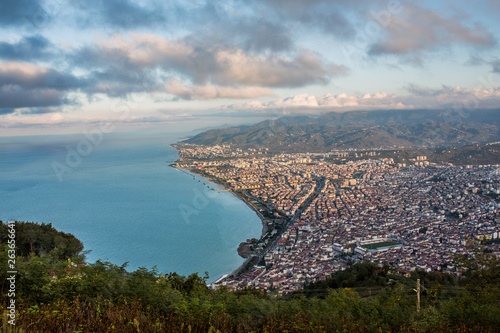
x=66 y=64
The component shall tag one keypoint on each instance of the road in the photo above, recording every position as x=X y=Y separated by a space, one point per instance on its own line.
x=320 y=184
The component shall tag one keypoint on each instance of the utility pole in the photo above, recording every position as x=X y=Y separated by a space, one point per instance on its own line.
x=418 y=295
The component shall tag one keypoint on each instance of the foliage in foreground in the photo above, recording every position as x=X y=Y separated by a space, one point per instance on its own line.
x=55 y=295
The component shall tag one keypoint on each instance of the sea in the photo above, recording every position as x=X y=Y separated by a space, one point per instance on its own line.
x=118 y=194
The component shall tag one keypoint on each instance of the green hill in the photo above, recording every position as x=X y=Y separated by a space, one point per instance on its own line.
x=361 y=130
x=57 y=294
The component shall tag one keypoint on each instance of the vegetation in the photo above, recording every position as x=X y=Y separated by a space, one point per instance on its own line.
x=33 y=238
x=377 y=245
x=387 y=129
x=55 y=294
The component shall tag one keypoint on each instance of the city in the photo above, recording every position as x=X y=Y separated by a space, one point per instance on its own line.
x=415 y=215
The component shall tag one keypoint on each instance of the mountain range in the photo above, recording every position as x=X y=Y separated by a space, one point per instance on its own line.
x=361 y=130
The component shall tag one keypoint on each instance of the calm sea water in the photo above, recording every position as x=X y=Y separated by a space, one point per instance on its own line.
x=124 y=202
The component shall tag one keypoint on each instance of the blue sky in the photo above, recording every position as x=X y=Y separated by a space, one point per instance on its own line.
x=65 y=65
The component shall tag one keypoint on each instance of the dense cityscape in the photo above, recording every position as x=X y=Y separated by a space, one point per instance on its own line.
x=323 y=212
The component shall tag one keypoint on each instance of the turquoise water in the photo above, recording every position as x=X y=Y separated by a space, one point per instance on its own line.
x=124 y=202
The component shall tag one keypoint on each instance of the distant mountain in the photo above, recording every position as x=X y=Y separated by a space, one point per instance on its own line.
x=362 y=130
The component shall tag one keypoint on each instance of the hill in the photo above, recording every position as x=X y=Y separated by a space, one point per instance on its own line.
x=476 y=154
x=60 y=294
x=361 y=130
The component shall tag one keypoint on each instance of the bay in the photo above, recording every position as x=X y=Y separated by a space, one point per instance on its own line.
x=124 y=201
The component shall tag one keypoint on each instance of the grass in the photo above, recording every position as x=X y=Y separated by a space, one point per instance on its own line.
x=378 y=245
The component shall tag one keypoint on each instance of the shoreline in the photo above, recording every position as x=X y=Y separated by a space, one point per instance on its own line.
x=263 y=219
x=266 y=230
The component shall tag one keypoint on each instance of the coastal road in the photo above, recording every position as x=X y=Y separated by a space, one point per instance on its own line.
x=320 y=184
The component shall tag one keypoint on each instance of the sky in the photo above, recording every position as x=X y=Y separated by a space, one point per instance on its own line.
x=69 y=65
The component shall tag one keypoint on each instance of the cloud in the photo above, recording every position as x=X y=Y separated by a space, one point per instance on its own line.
x=419 y=29
x=40 y=110
x=13 y=97
x=201 y=50
x=6 y=110
x=23 y=13
x=456 y=98
x=234 y=24
x=333 y=17
x=27 y=85
x=256 y=35
x=427 y=98
x=124 y=14
x=301 y=100
x=26 y=118
x=119 y=82
x=261 y=35
x=421 y=91
x=304 y=103
x=124 y=62
x=494 y=5
x=221 y=22
x=477 y=61
x=236 y=66
x=34 y=47
x=134 y=63
x=21 y=119
x=209 y=91
x=474 y=60
x=495 y=64
x=367 y=101
x=32 y=76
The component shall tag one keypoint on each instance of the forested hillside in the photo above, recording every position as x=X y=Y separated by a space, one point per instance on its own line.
x=58 y=293
x=361 y=130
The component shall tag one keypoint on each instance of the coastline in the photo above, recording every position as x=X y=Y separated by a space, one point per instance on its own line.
x=265 y=227
x=252 y=258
